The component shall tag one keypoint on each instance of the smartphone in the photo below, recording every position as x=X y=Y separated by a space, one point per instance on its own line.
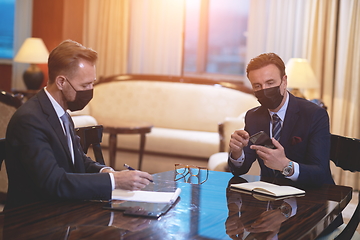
x=144 y=209
x=261 y=138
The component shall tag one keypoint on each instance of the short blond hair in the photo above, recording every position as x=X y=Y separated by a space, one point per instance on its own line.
x=65 y=57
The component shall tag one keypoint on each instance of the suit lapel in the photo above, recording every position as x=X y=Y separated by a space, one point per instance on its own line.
x=291 y=118
x=54 y=121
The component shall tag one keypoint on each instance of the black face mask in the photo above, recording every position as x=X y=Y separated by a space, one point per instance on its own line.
x=82 y=98
x=269 y=97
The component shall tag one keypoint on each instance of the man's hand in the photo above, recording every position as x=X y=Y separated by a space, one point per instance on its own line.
x=239 y=139
x=269 y=221
x=132 y=180
x=273 y=158
x=234 y=227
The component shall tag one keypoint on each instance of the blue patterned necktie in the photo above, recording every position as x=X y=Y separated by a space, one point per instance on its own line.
x=66 y=122
x=276 y=126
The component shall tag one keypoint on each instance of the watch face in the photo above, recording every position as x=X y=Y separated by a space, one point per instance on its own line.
x=287 y=170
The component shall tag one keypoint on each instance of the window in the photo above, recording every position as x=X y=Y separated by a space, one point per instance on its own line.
x=7 y=10
x=215 y=36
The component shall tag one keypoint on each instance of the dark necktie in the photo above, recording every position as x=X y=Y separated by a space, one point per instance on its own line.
x=276 y=126
x=66 y=121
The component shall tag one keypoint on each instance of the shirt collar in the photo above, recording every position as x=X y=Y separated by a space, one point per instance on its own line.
x=282 y=111
x=58 y=109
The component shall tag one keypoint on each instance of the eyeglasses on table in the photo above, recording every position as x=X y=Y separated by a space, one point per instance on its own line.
x=191 y=173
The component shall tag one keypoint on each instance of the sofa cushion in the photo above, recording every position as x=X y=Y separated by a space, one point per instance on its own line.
x=170 y=105
x=172 y=141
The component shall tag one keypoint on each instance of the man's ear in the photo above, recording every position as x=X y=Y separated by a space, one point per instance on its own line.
x=60 y=81
x=285 y=80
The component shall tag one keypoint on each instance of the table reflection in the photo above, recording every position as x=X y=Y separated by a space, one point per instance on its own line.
x=204 y=211
x=250 y=217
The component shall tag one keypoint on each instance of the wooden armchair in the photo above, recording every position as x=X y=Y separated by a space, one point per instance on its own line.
x=91 y=135
x=8 y=105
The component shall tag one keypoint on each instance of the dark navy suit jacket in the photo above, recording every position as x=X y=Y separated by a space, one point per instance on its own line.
x=39 y=163
x=305 y=137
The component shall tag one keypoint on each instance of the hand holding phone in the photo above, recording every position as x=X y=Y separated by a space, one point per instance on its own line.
x=261 y=138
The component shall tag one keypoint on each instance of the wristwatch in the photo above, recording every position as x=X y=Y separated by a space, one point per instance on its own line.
x=285 y=209
x=288 y=169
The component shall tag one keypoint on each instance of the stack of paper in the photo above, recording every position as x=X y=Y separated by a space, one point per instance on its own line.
x=146 y=196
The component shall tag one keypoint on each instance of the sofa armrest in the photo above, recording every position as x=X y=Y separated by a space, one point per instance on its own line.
x=84 y=121
x=226 y=128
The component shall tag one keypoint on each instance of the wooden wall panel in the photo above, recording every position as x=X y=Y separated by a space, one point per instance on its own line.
x=5 y=79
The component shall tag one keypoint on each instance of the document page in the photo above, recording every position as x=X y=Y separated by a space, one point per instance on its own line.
x=146 y=196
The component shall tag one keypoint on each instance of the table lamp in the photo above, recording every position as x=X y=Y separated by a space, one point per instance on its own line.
x=300 y=76
x=33 y=51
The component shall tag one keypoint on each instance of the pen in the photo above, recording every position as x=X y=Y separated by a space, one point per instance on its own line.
x=132 y=169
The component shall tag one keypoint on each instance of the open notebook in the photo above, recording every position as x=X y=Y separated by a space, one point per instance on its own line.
x=267 y=189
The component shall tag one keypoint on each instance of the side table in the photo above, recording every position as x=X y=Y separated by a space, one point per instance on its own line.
x=127 y=128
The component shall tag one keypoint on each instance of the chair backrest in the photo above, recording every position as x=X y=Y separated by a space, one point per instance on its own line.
x=2 y=150
x=8 y=105
x=91 y=135
x=345 y=153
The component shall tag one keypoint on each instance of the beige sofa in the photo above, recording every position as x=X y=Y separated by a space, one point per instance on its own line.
x=185 y=113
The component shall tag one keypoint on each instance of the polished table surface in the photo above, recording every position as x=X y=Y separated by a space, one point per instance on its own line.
x=203 y=211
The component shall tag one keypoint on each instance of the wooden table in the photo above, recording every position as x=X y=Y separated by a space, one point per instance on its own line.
x=204 y=211
x=127 y=127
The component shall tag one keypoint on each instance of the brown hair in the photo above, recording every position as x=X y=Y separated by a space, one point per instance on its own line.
x=265 y=59
x=65 y=57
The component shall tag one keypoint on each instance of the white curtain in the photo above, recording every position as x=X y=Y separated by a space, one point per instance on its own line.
x=156 y=37
x=106 y=30
x=345 y=115
x=320 y=44
x=276 y=26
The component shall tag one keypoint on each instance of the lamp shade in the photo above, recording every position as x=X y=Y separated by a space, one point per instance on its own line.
x=33 y=50
x=300 y=74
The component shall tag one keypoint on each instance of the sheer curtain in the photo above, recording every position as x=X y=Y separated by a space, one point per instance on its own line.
x=346 y=97
x=156 y=37
x=276 y=26
x=137 y=36
x=106 y=29
x=320 y=44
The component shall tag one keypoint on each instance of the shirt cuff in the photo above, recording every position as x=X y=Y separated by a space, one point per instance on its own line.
x=112 y=181
x=293 y=204
x=295 y=175
x=238 y=162
x=107 y=168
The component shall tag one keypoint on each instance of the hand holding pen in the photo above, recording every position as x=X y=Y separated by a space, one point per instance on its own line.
x=131 y=180
x=132 y=169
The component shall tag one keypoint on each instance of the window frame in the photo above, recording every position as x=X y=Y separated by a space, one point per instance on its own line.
x=202 y=47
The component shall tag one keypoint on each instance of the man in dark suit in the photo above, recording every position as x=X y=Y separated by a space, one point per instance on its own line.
x=299 y=132
x=44 y=159
x=302 y=150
